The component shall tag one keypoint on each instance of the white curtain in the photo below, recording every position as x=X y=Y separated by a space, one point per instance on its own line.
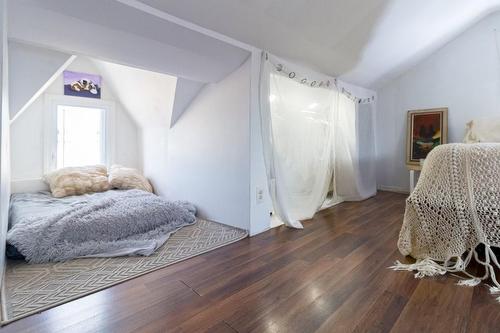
x=366 y=159
x=354 y=150
x=309 y=133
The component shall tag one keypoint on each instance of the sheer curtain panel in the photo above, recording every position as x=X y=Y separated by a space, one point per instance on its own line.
x=310 y=136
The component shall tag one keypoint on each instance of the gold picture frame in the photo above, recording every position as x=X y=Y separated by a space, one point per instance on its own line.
x=426 y=129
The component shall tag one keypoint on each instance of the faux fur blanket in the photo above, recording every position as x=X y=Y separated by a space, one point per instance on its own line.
x=116 y=223
x=454 y=209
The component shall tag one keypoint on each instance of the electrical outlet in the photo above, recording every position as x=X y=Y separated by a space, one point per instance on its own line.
x=260 y=195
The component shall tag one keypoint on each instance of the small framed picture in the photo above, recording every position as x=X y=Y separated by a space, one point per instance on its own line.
x=426 y=129
x=82 y=84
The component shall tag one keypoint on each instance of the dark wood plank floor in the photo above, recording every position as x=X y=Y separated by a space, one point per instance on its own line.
x=330 y=277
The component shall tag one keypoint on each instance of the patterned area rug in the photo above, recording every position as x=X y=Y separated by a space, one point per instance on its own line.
x=32 y=288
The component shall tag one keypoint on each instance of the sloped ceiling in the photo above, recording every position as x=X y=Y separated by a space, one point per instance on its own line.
x=147 y=96
x=31 y=70
x=185 y=92
x=363 y=42
x=112 y=31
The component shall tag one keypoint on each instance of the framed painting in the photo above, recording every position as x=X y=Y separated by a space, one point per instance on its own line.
x=426 y=130
x=82 y=84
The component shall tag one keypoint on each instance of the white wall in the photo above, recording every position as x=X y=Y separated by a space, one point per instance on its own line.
x=4 y=136
x=209 y=151
x=464 y=76
x=155 y=157
x=32 y=70
x=260 y=219
x=27 y=153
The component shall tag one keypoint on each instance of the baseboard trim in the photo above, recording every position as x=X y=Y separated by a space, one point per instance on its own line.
x=395 y=189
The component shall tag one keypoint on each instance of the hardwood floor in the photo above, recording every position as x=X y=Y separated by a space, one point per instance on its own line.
x=330 y=277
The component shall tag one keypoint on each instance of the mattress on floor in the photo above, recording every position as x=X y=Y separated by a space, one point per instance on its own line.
x=40 y=205
x=105 y=224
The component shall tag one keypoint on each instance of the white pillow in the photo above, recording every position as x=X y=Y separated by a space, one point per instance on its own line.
x=124 y=178
x=77 y=180
x=483 y=130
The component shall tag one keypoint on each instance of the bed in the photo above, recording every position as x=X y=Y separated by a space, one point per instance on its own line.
x=112 y=223
x=454 y=212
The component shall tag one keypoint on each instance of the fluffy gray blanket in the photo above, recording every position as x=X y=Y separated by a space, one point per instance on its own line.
x=116 y=223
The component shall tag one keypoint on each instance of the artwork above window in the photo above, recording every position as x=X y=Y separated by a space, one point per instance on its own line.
x=82 y=84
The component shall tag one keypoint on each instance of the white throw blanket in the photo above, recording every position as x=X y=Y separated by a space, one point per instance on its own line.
x=454 y=208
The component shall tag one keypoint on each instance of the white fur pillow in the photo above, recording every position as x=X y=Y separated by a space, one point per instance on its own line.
x=128 y=178
x=77 y=180
x=483 y=130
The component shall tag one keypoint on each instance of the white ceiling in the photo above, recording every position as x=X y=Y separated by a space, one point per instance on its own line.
x=113 y=31
x=31 y=71
x=147 y=96
x=152 y=99
x=364 y=42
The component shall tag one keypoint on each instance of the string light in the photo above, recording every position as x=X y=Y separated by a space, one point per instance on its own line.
x=303 y=80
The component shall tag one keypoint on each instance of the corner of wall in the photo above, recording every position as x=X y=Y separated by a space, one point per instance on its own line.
x=260 y=219
x=4 y=137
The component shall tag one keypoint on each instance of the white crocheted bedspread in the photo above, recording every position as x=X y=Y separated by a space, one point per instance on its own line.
x=456 y=203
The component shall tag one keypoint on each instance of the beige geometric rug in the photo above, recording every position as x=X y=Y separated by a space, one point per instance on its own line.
x=32 y=288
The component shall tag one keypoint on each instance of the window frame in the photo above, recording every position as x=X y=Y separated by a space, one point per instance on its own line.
x=50 y=129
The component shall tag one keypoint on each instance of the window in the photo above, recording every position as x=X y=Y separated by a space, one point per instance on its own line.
x=78 y=131
x=80 y=136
